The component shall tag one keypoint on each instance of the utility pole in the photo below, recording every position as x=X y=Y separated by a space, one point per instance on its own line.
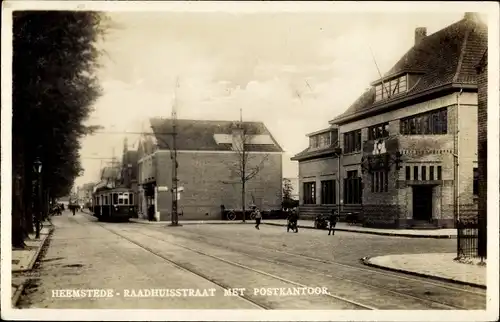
x=175 y=214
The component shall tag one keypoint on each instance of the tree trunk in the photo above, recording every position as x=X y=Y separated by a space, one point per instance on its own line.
x=243 y=198
x=28 y=202
x=18 y=231
x=17 y=214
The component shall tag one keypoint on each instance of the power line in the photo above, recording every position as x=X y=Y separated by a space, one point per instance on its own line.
x=134 y=133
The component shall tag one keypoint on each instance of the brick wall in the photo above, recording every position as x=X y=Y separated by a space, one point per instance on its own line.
x=209 y=181
x=482 y=121
x=316 y=171
x=397 y=203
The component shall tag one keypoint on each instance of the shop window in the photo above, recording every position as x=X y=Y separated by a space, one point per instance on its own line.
x=424 y=172
x=415 y=173
x=328 y=193
x=408 y=173
x=431 y=172
x=309 y=193
x=439 y=173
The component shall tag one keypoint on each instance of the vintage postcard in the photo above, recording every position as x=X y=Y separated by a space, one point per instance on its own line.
x=250 y=161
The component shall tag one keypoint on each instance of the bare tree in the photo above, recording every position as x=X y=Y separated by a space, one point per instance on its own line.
x=242 y=169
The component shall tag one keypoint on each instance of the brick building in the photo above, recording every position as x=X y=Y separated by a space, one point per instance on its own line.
x=482 y=141
x=128 y=170
x=208 y=157
x=407 y=147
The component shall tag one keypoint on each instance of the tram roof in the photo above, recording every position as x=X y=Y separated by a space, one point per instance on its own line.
x=111 y=190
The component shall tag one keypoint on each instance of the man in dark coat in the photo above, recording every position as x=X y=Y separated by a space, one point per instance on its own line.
x=293 y=217
x=333 y=219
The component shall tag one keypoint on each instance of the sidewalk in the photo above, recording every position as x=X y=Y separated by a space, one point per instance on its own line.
x=23 y=260
x=439 y=266
x=411 y=233
x=191 y=222
x=309 y=224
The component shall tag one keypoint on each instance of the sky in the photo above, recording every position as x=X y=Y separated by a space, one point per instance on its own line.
x=292 y=71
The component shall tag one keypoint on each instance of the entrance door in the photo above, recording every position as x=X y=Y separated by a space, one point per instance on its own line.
x=422 y=203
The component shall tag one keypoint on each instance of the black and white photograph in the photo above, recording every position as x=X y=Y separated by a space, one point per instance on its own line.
x=250 y=161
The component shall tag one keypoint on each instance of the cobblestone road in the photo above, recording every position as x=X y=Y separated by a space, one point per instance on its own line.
x=128 y=257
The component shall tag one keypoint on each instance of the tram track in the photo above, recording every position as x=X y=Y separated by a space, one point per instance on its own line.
x=186 y=269
x=326 y=261
x=217 y=240
x=354 y=304
x=432 y=289
x=434 y=303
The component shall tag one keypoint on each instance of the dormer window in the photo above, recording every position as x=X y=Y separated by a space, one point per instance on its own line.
x=314 y=142
x=391 y=87
x=320 y=141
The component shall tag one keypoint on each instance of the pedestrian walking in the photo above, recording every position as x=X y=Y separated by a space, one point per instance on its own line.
x=293 y=217
x=333 y=219
x=258 y=217
x=73 y=209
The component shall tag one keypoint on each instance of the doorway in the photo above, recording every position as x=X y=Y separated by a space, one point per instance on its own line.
x=422 y=203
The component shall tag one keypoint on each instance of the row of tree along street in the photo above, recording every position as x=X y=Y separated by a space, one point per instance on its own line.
x=55 y=59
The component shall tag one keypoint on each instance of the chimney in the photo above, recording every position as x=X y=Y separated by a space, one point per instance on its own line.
x=470 y=16
x=420 y=34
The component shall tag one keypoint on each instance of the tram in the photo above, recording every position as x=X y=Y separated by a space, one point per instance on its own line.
x=113 y=204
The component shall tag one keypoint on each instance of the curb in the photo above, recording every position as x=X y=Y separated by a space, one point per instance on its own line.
x=17 y=294
x=37 y=254
x=373 y=232
x=366 y=261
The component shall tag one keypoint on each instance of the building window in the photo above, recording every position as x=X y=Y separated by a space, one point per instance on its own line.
x=424 y=172
x=353 y=190
x=328 y=196
x=380 y=182
x=378 y=131
x=439 y=173
x=415 y=173
x=431 y=172
x=475 y=184
x=320 y=140
x=352 y=141
x=408 y=173
x=309 y=193
x=429 y=123
x=314 y=142
x=391 y=88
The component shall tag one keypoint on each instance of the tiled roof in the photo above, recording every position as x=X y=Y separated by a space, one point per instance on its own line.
x=443 y=58
x=483 y=62
x=314 y=153
x=198 y=135
x=110 y=173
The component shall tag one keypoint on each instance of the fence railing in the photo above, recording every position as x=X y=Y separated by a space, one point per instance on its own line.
x=467 y=238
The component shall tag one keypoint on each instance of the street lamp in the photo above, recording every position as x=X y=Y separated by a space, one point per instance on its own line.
x=37 y=168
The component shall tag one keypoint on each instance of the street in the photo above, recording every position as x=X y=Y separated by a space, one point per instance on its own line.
x=143 y=266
